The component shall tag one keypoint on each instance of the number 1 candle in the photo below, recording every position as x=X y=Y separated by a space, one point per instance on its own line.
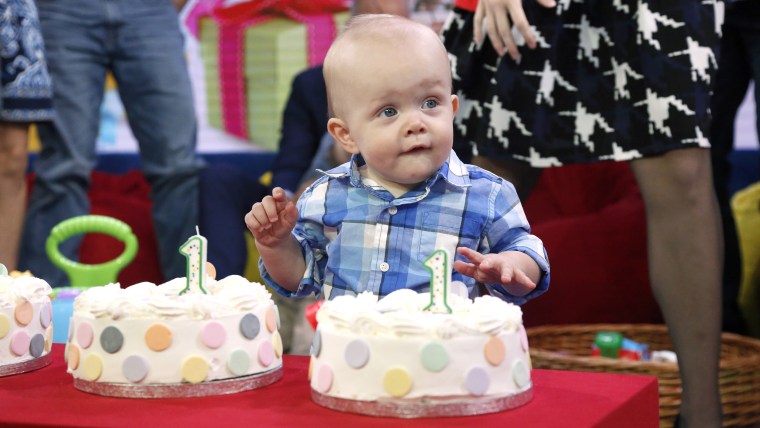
x=194 y=250
x=440 y=274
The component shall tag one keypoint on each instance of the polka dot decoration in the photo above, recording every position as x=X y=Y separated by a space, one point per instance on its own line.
x=311 y=368
x=397 y=382
x=494 y=350
x=213 y=335
x=73 y=357
x=111 y=339
x=84 y=335
x=316 y=344
x=19 y=343
x=523 y=338
x=250 y=326
x=238 y=362
x=520 y=374
x=266 y=353
x=194 y=369
x=93 y=367
x=70 y=335
x=434 y=357
x=477 y=381
x=277 y=342
x=158 y=337
x=277 y=316
x=37 y=345
x=24 y=312
x=46 y=315
x=324 y=378
x=5 y=325
x=135 y=368
x=271 y=319
x=357 y=354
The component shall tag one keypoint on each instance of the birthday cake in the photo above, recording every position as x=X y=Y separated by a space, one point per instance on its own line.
x=394 y=357
x=151 y=340
x=26 y=323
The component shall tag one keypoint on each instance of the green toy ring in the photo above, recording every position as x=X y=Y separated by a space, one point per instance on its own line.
x=89 y=275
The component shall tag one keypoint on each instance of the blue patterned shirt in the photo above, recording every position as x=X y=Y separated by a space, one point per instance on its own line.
x=357 y=236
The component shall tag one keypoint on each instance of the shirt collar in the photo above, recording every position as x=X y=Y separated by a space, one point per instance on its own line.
x=453 y=171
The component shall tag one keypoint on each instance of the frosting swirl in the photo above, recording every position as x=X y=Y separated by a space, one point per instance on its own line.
x=145 y=300
x=402 y=313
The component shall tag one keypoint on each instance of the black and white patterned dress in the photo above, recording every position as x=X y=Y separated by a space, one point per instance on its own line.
x=25 y=87
x=609 y=80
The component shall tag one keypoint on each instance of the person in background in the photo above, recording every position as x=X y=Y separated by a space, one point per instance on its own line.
x=392 y=109
x=25 y=98
x=545 y=83
x=738 y=65
x=142 y=45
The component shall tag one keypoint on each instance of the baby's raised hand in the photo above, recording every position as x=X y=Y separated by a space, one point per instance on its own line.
x=503 y=268
x=272 y=219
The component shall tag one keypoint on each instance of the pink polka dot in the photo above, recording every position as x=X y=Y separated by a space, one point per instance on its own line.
x=85 y=335
x=266 y=353
x=213 y=335
x=324 y=378
x=523 y=338
x=20 y=343
x=46 y=315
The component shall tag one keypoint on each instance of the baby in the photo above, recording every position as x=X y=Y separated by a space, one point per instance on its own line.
x=370 y=224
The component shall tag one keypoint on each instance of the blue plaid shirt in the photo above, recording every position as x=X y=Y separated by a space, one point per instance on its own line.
x=358 y=237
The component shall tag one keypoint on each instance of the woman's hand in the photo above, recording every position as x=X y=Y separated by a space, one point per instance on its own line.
x=495 y=16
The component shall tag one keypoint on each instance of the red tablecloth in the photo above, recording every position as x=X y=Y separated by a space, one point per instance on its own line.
x=561 y=398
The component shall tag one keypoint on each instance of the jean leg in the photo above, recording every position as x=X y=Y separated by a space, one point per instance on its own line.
x=62 y=170
x=154 y=85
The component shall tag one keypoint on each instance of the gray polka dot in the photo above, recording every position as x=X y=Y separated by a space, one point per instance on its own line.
x=37 y=345
x=111 y=339
x=250 y=326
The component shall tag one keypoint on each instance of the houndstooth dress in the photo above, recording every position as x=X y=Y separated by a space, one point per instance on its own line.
x=609 y=80
x=25 y=88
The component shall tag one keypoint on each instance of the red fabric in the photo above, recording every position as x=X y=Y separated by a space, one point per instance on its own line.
x=466 y=4
x=561 y=398
x=125 y=197
x=592 y=221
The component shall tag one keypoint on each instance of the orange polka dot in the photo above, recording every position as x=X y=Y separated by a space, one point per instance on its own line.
x=494 y=351
x=311 y=367
x=210 y=270
x=73 y=357
x=271 y=319
x=24 y=312
x=158 y=337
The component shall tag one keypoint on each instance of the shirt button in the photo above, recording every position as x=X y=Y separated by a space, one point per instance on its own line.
x=392 y=210
x=384 y=267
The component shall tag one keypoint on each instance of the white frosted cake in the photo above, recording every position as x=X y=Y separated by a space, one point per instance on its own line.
x=152 y=340
x=393 y=358
x=26 y=323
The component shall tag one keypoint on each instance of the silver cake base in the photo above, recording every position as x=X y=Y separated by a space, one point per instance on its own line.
x=426 y=407
x=179 y=390
x=26 y=366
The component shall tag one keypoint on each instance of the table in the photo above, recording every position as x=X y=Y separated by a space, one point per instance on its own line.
x=47 y=397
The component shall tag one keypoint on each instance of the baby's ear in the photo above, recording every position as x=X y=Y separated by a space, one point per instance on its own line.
x=337 y=128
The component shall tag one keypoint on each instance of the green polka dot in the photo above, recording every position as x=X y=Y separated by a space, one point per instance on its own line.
x=238 y=362
x=434 y=357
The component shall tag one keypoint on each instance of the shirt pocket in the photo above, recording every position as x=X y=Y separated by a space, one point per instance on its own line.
x=441 y=231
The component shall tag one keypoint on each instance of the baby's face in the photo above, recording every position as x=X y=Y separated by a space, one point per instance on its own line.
x=400 y=111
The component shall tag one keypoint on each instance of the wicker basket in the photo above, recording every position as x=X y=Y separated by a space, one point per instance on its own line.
x=568 y=347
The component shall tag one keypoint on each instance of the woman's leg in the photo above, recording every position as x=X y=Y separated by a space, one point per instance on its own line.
x=13 y=163
x=523 y=176
x=685 y=263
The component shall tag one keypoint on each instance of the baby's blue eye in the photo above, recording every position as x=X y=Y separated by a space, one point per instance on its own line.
x=430 y=104
x=389 y=112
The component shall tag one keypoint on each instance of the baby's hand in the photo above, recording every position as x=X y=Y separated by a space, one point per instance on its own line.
x=272 y=219
x=503 y=268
